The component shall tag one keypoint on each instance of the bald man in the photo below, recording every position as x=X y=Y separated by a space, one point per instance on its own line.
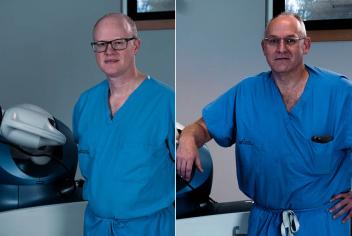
x=292 y=127
x=124 y=128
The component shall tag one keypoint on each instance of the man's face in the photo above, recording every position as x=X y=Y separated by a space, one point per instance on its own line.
x=115 y=63
x=284 y=45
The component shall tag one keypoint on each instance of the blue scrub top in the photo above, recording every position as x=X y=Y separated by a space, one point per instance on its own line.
x=278 y=165
x=126 y=159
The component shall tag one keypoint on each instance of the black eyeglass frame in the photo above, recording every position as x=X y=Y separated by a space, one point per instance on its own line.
x=111 y=43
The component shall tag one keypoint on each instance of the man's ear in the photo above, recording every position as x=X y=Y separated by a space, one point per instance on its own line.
x=137 y=44
x=307 y=43
x=263 y=49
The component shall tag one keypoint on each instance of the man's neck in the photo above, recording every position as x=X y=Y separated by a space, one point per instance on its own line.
x=121 y=88
x=125 y=84
x=290 y=80
x=291 y=86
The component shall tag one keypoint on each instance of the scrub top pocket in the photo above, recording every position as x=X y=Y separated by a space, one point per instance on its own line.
x=324 y=156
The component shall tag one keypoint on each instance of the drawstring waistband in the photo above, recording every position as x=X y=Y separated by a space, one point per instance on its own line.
x=289 y=220
x=290 y=223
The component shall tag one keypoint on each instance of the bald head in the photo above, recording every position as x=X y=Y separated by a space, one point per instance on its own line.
x=287 y=16
x=118 y=20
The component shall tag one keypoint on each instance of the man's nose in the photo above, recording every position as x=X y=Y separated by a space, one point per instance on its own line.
x=109 y=48
x=281 y=47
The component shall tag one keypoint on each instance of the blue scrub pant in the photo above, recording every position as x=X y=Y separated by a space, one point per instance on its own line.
x=160 y=223
x=316 y=221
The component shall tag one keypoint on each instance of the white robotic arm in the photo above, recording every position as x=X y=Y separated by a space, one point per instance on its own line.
x=30 y=126
x=38 y=159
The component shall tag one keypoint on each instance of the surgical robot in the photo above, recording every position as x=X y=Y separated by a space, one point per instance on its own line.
x=38 y=159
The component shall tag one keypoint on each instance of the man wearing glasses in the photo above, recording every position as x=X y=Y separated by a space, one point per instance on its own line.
x=124 y=128
x=293 y=132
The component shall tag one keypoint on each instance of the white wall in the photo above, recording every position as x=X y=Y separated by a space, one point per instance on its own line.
x=218 y=44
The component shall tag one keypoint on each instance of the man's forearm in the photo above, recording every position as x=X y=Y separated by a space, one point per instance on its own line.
x=196 y=132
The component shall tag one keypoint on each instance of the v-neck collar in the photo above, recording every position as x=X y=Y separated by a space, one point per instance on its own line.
x=112 y=117
x=298 y=107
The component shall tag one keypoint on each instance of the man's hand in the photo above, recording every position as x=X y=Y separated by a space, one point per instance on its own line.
x=187 y=154
x=342 y=207
x=192 y=137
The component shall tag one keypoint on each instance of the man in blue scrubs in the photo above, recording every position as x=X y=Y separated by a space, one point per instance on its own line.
x=125 y=128
x=293 y=132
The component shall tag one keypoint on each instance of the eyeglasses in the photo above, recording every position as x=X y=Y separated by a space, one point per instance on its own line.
x=289 y=41
x=116 y=44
